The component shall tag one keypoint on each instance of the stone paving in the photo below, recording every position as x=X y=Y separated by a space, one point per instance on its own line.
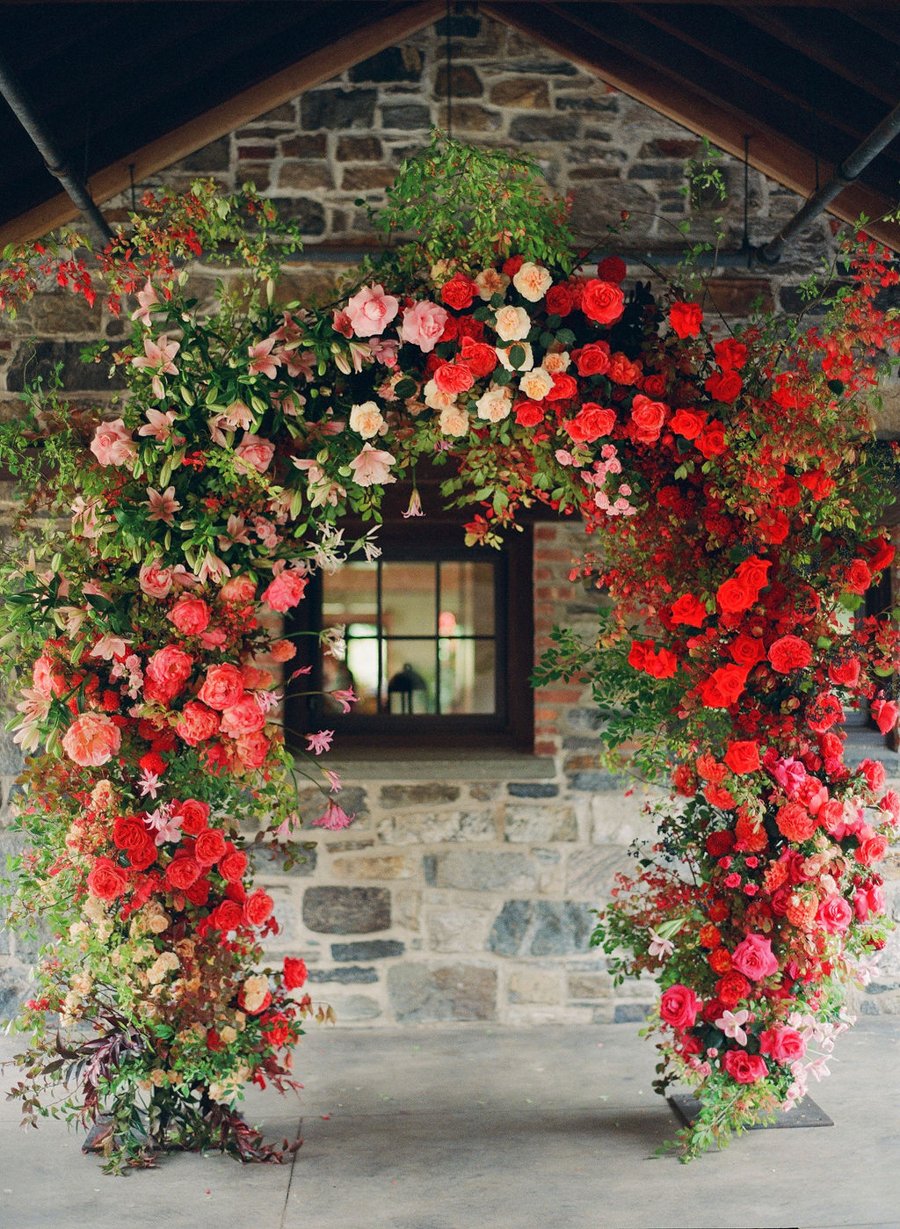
x=478 y=1126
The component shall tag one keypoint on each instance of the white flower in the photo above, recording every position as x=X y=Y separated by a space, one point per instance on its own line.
x=495 y=404
x=512 y=323
x=535 y=385
x=532 y=282
x=366 y=419
x=659 y=946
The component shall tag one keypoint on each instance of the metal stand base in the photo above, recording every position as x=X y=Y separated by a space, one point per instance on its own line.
x=804 y=1114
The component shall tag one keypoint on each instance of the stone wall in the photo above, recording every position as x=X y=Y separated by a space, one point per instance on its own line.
x=464 y=890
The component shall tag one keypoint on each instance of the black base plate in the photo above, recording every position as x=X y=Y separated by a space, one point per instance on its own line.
x=804 y=1114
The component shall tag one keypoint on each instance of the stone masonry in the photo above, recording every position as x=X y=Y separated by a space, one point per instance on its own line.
x=465 y=889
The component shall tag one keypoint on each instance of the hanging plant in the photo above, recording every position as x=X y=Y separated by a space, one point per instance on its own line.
x=733 y=487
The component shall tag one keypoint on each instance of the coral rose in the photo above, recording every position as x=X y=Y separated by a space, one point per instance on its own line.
x=193 y=815
x=245 y=717
x=286 y=590
x=602 y=301
x=258 y=907
x=196 y=723
x=233 y=866
x=459 y=292
x=92 y=739
x=795 y=823
x=478 y=356
x=182 y=871
x=107 y=880
x=222 y=687
x=210 y=847
x=592 y=359
x=190 y=615
x=453 y=378
x=167 y=672
x=732 y=986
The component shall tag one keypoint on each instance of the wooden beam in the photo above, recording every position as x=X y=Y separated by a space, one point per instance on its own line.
x=868 y=69
x=244 y=107
x=724 y=125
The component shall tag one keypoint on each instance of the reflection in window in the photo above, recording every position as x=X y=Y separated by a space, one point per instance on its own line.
x=421 y=636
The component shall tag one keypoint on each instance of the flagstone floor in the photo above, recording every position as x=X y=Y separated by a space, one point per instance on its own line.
x=477 y=1127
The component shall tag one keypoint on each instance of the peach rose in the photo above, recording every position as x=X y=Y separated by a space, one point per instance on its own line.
x=112 y=443
x=454 y=421
x=222 y=687
x=490 y=282
x=535 y=385
x=495 y=404
x=512 y=323
x=282 y=650
x=238 y=589
x=190 y=615
x=92 y=739
x=435 y=399
x=532 y=282
x=366 y=419
x=253 y=453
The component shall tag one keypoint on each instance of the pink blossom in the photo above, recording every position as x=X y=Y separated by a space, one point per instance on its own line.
x=371 y=467
x=423 y=325
x=112 y=443
x=158 y=425
x=149 y=783
x=158 y=356
x=335 y=818
x=731 y=1023
x=162 y=504
x=317 y=743
x=262 y=360
x=253 y=453
x=345 y=697
x=414 y=507
x=371 y=310
x=147 y=298
x=334 y=781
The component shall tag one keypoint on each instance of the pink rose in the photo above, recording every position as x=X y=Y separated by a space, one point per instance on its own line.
x=372 y=466
x=286 y=590
x=884 y=714
x=679 y=1006
x=167 y=672
x=112 y=443
x=190 y=615
x=222 y=687
x=155 y=581
x=868 y=900
x=42 y=676
x=783 y=1044
x=196 y=723
x=754 y=958
x=92 y=739
x=239 y=589
x=252 y=749
x=245 y=717
x=745 y=1068
x=834 y=914
x=423 y=325
x=253 y=453
x=371 y=310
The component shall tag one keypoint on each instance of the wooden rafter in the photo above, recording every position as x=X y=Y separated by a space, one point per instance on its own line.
x=724 y=124
x=241 y=109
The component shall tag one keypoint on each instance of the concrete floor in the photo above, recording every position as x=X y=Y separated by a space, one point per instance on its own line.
x=474 y=1126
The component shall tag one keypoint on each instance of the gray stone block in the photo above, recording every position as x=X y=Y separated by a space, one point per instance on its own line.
x=541 y=928
x=631 y=1013
x=367 y=949
x=350 y=974
x=536 y=823
x=448 y=992
x=408 y=116
x=543 y=128
x=418 y=795
x=532 y=789
x=392 y=64
x=331 y=108
x=479 y=871
x=346 y=911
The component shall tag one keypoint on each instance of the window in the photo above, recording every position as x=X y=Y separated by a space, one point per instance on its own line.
x=439 y=643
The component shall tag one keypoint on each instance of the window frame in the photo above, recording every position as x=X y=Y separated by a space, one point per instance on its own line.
x=510 y=727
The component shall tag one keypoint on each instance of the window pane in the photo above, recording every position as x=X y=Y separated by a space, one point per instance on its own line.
x=467 y=598
x=468 y=678
x=350 y=595
x=409 y=685
x=408 y=599
x=360 y=670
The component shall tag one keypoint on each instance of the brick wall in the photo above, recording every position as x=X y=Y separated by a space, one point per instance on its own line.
x=464 y=890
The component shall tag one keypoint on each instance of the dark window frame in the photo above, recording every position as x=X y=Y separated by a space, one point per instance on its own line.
x=511 y=727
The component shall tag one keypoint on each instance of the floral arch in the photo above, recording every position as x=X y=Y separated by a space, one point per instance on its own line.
x=730 y=484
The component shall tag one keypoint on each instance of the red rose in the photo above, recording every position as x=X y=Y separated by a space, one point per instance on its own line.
x=198 y=892
x=783 y=1044
x=731 y=355
x=152 y=762
x=622 y=370
x=745 y=1068
x=210 y=847
x=754 y=572
x=190 y=615
x=661 y=664
x=107 y=880
x=512 y=265
x=592 y=360
x=882 y=554
x=654 y=385
x=647 y=418
x=129 y=833
x=679 y=1006
x=846 y=672
x=612 y=269
x=711 y=440
x=734 y=597
x=719 y=843
x=467 y=326
x=884 y=714
x=724 y=385
x=196 y=723
x=167 y=672
x=873 y=771
x=459 y=292
x=182 y=872
x=227 y=915
x=295 y=973
x=564 y=387
x=222 y=687
x=732 y=987
x=559 y=301
x=743 y=756
x=858 y=578
x=529 y=413
x=193 y=815
x=481 y=359
x=747 y=650
x=688 y=423
x=453 y=377
x=686 y=319
x=690 y=610
x=590 y=423
x=824 y=712
x=789 y=653
x=233 y=866
x=143 y=855
x=602 y=301
x=723 y=687
x=258 y=907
